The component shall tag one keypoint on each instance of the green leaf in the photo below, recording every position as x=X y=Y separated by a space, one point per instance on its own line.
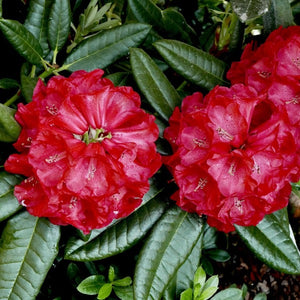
x=124 y=293
x=187 y=294
x=91 y=285
x=7 y=84
x=105 y=291
x=145 y=11
x=126 y=281
x=218 y=255
x=165 y=251
x=111 y=274
x=273 y=244
x=209 y=288
x=229 y=294
x=279 y=14
x=118 y=78
x=106 y=47
x=193 y=64
x=22 y=40
x=155 y=86
x=200 y=277
x=8 y=202
x=59 y=24
x=9 y=127
x=176 y=26
x=37 y=21
x=28 y=247
x=120 y=236
x=28 y=83
x=249 y=9
x=260 y=296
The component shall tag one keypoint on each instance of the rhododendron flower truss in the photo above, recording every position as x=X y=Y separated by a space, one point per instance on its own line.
x=87 y=149
x=234 y=156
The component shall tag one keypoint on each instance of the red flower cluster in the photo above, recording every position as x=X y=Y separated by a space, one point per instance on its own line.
x=84 y=151
x=237 y=150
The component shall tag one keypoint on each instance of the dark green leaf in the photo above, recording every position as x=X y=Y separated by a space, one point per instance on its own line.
x=176 y=26
x=229 y=294
x=59 y=24
x=120 y=236
x=124 y=293
x=7 y=84
x=193 y=64
x=155 y=86
x=249 y=9
x=105 y=291
x=165 y=251
x=37 y=21
x=118 y=78
x=279 y=14
x=9 y=128
x=8 y=202
x=22 y=40
x=106 y=47
x=218 y=255
x=28 y=247
x=145 y=11
x=28 y=82
x=273 y=244
x=91 y=285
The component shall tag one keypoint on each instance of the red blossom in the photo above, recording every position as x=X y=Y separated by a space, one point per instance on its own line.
x=87 y=149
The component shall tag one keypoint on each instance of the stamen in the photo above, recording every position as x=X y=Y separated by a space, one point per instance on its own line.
x=201 y=184
x=224 y=134
x=201 y=143
x=232 y=169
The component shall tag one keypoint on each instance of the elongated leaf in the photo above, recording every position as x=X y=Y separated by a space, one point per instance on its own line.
x=9 y=128
x=59 y=24
x=155 y=86
x=193 y=64
x=28 y=83
x=28 y=247
x=249 y=9
x=176 y=26
x=229 y=294
x=273 y=244
x=106 y=47
x=121 y=236
x=7 y=83
x=145 y=11
x=170 y=243
x=8 y=202
x=279 y=14
x=22 y=40
x=37 y=21
x=183 y=279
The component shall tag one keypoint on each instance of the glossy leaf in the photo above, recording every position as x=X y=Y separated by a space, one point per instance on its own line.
x=59 y=24
x=279 y=14
x=37 y=21
x=8 y=202
x=120 y=236
x=170 y=243
x=229 y=294
x=124 y=293
x=28 y=248
x=176 y=26
x=273 y=243
x=183 y=278
x=105 y=291
x=22 y=40
x=145 y=11
x=106 y=47
x=155 y=86
x=249 y=9
x=193 y=64
x=91 y=285
x=9 y=127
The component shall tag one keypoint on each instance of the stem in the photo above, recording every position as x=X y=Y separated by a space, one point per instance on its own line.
x=13 y=98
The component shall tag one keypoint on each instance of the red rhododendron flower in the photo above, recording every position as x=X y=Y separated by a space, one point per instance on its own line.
x=231 y=161
x=87 y=149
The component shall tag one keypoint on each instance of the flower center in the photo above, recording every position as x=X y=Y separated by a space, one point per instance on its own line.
x=93 y=135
